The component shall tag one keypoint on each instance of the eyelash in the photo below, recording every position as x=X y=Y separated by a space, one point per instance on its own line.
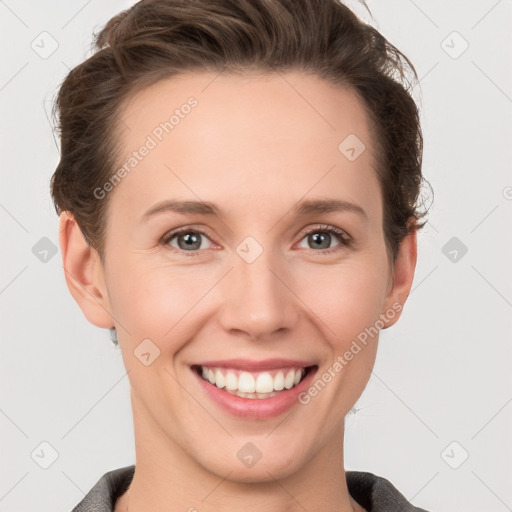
x=345 y=240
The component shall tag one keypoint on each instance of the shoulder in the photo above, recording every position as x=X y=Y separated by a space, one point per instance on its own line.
x=376 y=494
x=103 y=495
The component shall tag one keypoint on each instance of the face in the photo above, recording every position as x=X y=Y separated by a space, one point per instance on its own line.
x=258 y=288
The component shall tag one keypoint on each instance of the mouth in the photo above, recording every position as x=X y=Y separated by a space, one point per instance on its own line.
x=255 y=390
x=253 y=385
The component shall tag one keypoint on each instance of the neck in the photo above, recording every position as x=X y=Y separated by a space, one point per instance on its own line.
x=167 y=479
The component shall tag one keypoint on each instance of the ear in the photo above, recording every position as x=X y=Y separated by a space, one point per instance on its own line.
x=83 y=272
x=401 y=279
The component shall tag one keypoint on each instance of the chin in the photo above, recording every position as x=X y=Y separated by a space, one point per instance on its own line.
x=251 y=465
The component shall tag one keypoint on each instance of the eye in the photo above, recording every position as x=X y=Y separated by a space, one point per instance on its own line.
x=187 y=239
x=320 y=237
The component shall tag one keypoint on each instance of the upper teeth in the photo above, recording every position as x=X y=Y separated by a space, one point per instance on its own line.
x=246 y=382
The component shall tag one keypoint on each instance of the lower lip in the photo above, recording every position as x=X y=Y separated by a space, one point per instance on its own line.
x=256 y=408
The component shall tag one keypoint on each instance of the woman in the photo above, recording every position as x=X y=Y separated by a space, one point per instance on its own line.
x=237 y=193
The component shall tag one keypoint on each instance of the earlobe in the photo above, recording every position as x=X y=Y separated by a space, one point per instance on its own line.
x=403 y=275
x=83 y=272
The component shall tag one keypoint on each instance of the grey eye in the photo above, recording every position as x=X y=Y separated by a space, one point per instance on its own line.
x=320 y=240
x=187 y=240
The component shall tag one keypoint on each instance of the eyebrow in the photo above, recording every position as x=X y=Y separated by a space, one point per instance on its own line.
x=302 y=209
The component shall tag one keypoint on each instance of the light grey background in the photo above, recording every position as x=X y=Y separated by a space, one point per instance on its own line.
x=441 y=388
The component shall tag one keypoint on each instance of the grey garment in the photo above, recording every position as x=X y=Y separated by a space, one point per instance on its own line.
x=374 y=493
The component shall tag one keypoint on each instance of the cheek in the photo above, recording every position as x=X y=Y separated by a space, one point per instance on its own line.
x=165 y=303
x=156 y=302
x=345 y=298
x=345 y=302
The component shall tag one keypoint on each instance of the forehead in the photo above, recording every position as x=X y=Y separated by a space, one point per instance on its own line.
x=287 y=104
x=273 y=135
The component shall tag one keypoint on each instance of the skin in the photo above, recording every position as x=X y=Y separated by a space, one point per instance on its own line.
x=270 y=141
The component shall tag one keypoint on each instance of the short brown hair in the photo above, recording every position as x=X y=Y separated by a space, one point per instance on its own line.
x=157 y=39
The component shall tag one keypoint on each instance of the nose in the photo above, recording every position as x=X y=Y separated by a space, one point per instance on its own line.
x=258 y=300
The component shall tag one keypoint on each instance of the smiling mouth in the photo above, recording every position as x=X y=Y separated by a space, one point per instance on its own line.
x=253 y=385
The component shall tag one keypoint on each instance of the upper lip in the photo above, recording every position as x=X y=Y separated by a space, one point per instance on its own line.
x=253 y=365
